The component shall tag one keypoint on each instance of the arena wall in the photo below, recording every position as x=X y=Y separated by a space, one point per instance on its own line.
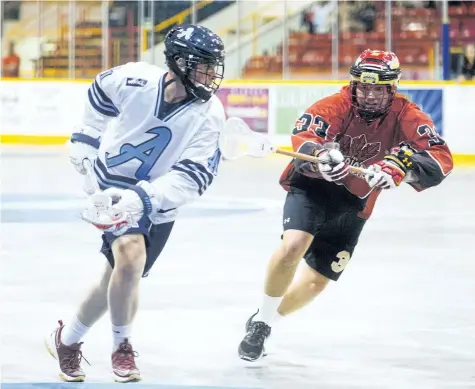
x=45 y=111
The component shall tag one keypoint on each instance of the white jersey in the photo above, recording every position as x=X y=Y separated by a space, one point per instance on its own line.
x=140 y=137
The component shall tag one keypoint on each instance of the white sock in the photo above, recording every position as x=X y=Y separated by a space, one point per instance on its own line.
x=74 y=332
x=268 y=309
x=119 y=334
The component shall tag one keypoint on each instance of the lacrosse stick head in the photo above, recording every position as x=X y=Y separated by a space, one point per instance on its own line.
x=238 y=140
x=99 y=212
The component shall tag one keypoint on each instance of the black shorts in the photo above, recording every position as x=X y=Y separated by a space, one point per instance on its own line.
x=156 y=236
x=336 y=228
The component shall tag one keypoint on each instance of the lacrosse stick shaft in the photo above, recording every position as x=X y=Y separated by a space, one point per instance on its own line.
x=309 y=158
x=237 y=140
x=90 y=175
x=294 y=154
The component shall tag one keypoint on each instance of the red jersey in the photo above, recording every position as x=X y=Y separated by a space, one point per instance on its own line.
x=333 y=119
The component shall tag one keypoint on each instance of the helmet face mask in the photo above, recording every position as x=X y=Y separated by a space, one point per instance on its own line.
x=373 y=98
x=374 y=80
x=196 y=55
x=206 y=78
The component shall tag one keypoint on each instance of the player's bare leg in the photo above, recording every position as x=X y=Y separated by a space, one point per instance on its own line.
x=123 y=296
x=94 y=306
x=285 y=260
x=303 y=291
x=64 y=343
x=280 y=273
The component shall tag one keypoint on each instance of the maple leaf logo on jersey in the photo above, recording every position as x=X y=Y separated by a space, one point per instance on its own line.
x=358 y=150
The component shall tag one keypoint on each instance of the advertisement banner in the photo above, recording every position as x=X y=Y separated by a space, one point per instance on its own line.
x=11 y=115
x=46 y=108
x=247 y=103
x=291 y=101
x=430 y=101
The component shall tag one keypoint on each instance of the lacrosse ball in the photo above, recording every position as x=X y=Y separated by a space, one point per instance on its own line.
x=336 y=156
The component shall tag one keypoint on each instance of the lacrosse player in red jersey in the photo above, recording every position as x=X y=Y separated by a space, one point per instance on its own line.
x=369 y=125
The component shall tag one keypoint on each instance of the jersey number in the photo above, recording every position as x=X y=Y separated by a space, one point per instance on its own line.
x=434 y=138
x=343 y=260
x=147 y=152
x=313 y=123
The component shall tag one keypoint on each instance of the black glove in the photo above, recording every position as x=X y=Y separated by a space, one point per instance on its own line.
x=306 y=167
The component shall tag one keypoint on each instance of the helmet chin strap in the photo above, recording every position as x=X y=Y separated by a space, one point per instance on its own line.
x=175 y=79
x=169 y=82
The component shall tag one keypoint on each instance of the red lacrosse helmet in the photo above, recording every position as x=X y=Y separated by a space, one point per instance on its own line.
x=374 y=80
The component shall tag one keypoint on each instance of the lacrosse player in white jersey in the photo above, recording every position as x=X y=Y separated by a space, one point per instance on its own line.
x=152 y=137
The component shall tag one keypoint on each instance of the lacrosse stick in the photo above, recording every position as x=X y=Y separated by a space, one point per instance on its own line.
x=99 y=210
x=238 y=140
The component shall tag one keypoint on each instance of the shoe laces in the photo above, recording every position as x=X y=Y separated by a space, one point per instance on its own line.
x=74 y=357
x=125 y=355
x=258 y=331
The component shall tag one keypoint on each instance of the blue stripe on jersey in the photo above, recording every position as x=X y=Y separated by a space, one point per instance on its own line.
x=200 y=168
x=179 y=109
x=112 y=180
x=104 y=186
x=104 y=183
x=99 y=109
x=193 y=176
x=103 y=98
x=161 y=87
x=87 y=139
x=100 y=102
x=161 y=98
x=197 y=172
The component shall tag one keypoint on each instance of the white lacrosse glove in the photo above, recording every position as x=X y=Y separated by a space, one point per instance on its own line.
x=386 y=174
x=128 y=202
x=133 y=203
x=98 y=211
x=82 y=147
x=331 y=163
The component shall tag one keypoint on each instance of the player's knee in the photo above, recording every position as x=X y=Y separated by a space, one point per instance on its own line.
x=291 y=254
x=314 y=280
x=293 y=250
x=129 y=253
x=317 y=284
x=131 y=266
x=295 y=243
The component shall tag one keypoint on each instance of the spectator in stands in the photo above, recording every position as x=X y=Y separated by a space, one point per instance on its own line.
x=307 y=20
x=468 y=65
x=365 y=13
x=460 y=3
x=11 y=63
x=322 y=13
x=430 y=4
x=410 y=4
